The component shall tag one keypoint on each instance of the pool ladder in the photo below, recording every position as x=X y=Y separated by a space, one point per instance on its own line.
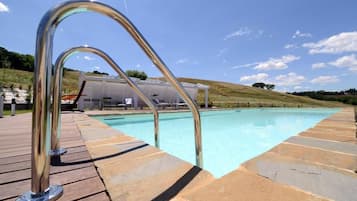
x=41 y=124
x=56 y=150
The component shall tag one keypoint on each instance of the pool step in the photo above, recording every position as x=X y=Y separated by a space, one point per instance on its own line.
x=134 y=170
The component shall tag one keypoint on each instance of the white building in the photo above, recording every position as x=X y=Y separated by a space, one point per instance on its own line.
x=113 y=91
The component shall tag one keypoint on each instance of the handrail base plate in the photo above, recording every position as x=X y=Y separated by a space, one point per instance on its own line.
x=58 y=152
x=52 y=193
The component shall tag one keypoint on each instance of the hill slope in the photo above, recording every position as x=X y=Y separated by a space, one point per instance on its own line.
x=23 y=79
x=221 y=94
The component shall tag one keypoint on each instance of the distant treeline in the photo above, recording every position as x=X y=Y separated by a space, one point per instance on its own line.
x=14 y=60
x=347 y=96
x=25 y=62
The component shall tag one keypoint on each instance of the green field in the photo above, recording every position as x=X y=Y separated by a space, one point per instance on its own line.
x=221 y=94
x=8 y=112
x=23 y=79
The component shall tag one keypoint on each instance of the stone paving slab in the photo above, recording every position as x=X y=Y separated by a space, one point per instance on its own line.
x=320 y=180
x=243 y=185
x=317 y=156
x=330 y=136
x=342 y=147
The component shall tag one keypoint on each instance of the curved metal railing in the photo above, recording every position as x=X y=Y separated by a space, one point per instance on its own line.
x=57 y=85
x=41 y=144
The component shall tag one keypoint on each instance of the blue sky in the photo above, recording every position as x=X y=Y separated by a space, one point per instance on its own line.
x=296 y=45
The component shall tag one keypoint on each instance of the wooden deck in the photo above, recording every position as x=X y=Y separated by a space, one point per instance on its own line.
x=76 y=172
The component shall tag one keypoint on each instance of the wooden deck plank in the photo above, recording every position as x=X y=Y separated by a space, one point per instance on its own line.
x=79 y=160
x=97 y=197
x=27 y=157
x=15 y=166
x=16 y=188
x=81 y=189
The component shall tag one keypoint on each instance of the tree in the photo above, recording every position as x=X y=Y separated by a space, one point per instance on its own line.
x=259 y=85
x=270 y=86
x=351 y=91
x=15 y=60
x=99 y=73
x=138 y=74
x=4 y=59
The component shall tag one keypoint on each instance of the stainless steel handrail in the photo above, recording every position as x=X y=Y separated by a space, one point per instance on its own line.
x=57 y=85
x=41 y=144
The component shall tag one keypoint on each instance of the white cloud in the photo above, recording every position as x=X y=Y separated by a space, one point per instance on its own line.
x=271 y=64
x=96 y=67
x=4 y=8
x=260 y=33
x=290 y=46
x=182 y=61
x=289 y=79
x=318 y=65
x=299 y=34
x=342 y=42
x=126 y=6
x=276 y=63
x=88 y=58
x=240 y=32
x=221 y=52
x=138 y=65
x=244 y=65
x=325 y=79
x=301 y=88
x=260 y=77
x=348 y=61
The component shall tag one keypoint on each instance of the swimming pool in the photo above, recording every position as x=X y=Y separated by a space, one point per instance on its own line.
x=229 y=137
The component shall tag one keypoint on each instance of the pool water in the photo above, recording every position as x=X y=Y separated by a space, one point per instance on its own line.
x=229 y=137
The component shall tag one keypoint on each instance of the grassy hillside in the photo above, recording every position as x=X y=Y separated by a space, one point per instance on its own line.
x=221 y=94
x=23 y=79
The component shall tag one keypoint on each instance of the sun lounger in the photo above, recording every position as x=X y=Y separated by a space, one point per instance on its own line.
x=128 y=102
x=160 y=104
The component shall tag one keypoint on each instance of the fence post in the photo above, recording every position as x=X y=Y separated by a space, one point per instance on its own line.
x=1 y=106
x=13 y=107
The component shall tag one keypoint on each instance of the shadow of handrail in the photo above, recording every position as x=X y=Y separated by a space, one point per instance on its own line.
x=181 y=183
x=56 y=161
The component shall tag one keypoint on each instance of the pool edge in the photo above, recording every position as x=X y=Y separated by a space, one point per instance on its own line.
x=346 y=123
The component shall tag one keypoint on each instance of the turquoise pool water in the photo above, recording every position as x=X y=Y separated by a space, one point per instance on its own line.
x=229 y=137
